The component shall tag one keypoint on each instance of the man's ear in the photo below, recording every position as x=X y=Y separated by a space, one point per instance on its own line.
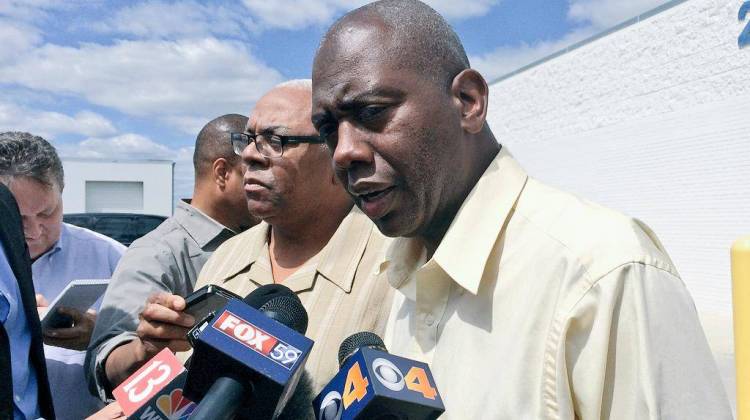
x=221 y=171
x=470 y=93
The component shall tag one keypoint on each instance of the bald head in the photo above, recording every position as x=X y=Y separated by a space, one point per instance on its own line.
x=213 y=143
x=411 y=35
x=289 y=104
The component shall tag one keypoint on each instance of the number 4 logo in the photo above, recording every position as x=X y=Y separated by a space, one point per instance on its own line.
x=744 y=38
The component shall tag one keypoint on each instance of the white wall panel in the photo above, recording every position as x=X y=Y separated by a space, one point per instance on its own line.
x=156 y=177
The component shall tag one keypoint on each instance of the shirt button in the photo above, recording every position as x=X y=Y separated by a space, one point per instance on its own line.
x=429 y=319
x=18 y=398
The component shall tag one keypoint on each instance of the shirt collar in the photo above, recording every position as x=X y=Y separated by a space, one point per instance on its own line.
x=466 y=246
x=251 y=242
x=337 y=261
x=202 y=228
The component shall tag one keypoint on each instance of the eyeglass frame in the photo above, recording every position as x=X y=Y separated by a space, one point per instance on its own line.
x=247 y=138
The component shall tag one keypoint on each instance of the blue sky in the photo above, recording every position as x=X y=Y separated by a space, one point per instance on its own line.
x=138 y=79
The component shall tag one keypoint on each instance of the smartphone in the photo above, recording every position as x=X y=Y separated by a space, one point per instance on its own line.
x=206 y=300
x=79 y=295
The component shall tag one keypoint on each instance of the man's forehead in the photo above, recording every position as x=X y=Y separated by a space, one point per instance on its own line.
x=281 y=108
x=349 y=51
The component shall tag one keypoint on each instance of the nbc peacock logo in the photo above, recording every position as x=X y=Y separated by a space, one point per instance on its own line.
x=174 y=406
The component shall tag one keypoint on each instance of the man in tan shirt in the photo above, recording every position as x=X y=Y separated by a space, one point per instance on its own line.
x=312 y=239
x=528 y=303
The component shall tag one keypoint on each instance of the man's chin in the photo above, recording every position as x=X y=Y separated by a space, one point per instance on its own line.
x=393 y=226
x=261 y=211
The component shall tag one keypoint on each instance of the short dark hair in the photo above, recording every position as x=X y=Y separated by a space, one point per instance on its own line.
x=26 y=155
x=423 y=38
x=213 y=142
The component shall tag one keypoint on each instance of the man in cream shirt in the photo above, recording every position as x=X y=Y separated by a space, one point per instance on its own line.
x=528 y=303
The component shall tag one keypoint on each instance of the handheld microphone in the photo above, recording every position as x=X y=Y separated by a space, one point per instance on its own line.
x=373 y=384
x=248 y=357
x=155 y=390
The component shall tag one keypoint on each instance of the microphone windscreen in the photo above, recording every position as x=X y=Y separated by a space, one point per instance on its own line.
x=265 y=293
x=287 y=310
x=300 y=406
x=355 y=341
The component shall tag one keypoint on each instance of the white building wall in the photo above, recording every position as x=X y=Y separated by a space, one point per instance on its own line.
x=652 y=119
x=156 y=176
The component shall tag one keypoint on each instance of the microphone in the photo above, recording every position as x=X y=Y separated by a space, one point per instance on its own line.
x=373 y=384
x=248 y=357
x=155 y=390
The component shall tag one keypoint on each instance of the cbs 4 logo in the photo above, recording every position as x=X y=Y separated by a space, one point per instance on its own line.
x=388 y=374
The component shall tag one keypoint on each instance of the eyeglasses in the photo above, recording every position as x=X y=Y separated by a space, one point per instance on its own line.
x=268 y=145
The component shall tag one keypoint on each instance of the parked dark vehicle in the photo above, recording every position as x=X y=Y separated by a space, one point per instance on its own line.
x=122 y=227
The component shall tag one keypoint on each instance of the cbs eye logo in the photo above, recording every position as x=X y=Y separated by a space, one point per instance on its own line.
x=392 y=378
x=388 y=374
x=331 y=408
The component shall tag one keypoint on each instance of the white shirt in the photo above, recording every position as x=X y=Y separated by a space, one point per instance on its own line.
x=540 y=305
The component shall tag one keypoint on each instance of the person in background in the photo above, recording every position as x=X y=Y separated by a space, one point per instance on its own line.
x=24 y=389
x=169 y=258
x=60 y=253
x=527 y=302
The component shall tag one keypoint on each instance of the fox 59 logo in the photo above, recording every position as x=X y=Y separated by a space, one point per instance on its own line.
x=357 y=386
x=255 y=338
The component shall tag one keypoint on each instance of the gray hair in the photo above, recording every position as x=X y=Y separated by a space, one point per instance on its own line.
x=305 y=84
x=26 y=155
x=422 y=39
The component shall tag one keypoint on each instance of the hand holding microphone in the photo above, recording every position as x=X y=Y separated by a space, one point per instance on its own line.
x=249 y=356
x=373 y=384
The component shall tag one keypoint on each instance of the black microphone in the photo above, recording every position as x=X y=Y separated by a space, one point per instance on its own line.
x=248 y=357
x=373 y=384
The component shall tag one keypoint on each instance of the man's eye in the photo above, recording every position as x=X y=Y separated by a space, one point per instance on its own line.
x=370 y=113
x=327 y=132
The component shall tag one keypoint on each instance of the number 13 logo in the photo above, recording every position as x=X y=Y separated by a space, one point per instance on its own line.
x=744 y=38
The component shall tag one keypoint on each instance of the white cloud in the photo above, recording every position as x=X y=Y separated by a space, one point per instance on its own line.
x=17 y=38
x=124 y=146
x=160 y=19
x=294 y=14
x=606 y=13
x=452 y=9
x=168 y=80
x=49 y=124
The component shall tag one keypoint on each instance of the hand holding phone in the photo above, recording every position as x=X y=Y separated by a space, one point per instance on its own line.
x=75 y=334
x=164 y=323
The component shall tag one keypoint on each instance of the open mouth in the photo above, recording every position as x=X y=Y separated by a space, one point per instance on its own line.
x=373 y=196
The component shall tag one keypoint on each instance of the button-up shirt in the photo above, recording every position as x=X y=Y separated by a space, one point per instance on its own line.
x=337 y=286
x=78 y=254
x=167 y=259
x=13 y=318
x=540 y=305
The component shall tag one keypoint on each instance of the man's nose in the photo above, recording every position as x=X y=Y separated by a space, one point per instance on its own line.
x=252 y=157
x=32 y=229
x=352 y=147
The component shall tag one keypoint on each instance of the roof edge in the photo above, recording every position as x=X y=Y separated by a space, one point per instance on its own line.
x=579 y=44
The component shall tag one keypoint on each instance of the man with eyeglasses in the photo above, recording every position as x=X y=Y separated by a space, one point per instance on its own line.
x=311 y=238
x=168 y=260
